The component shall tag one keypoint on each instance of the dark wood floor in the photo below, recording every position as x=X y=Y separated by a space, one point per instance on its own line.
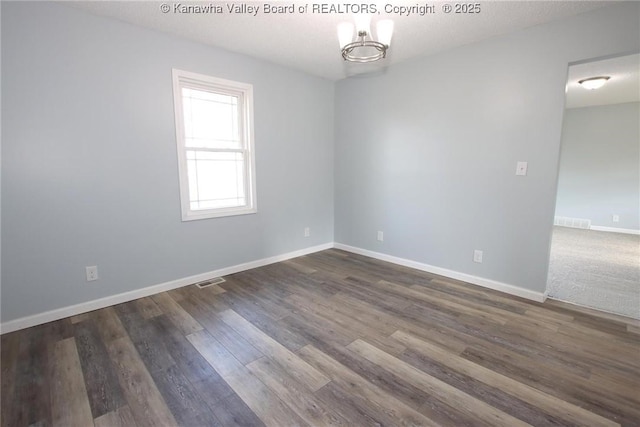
x=326 y=339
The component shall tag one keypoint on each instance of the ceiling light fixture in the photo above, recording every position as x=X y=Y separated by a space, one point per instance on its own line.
x=594 y=82
x=364 y=48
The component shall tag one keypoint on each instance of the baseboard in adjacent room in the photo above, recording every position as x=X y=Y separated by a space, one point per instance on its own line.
x=73 y=310
x=615 y=230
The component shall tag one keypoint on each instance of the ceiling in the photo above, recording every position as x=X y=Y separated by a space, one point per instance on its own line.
x=623 y=86
x=308 y=41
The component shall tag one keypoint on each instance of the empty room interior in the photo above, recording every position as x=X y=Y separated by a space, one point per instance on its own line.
x=309 y=214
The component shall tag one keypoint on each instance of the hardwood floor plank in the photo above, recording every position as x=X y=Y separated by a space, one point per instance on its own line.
x=396 y=322
x=204 y=380
x=146 y=403
x=182 y=399
x=234 y=342
x=508 y=313
x=183 y=320
x=148 y=308
x=357 y=410
x=121 y=417
x=439 y=413
x=435 y=387
x=111 y=327
x=69 y=403
x=100 y=379
x=79 y=318
x=295 y=366
x=215 y=303
x=300 y=267
x=269 y=325
x=554 y=406
x=332 y=310
x=9 y=353
x=382 y=298
x=179 y=294
x=252 y=391
x=359 y=388
x=264 y=298
x=148 y=342
x=490 y=395
x=330 y=314
x=579 y=311
x=185 y=356
x=313 y=329
x=573 y=389
x=232 y=411
x=215 y=289
x=33 y=376
x=473 y=331
x=295 y=395
x=445 y=302
x=309 y=287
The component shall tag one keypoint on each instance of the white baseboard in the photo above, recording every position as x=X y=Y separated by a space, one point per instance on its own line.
x=487 y=283
x=615 y=230
x=73 y=310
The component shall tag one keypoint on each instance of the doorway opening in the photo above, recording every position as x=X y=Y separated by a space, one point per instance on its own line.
x=595 y=248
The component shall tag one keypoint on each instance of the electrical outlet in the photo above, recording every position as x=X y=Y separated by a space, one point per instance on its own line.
x=477 y=256
x=380 y=236
x=616 y=218
x=307 y=232
x=92 y=273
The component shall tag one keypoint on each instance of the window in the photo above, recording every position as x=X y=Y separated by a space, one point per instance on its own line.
x=214 y=134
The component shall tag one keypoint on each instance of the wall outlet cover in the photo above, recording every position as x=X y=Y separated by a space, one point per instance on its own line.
x=521 y=168
x=92 y=273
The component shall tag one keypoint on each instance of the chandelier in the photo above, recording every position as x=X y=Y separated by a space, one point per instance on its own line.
x=364 y=48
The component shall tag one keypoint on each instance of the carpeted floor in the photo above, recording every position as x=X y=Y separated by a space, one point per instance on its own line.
x=596 y=269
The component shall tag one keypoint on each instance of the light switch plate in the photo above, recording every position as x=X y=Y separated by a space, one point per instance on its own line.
x=521 y=168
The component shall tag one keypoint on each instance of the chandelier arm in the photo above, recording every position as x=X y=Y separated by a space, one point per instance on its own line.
x=348 y=55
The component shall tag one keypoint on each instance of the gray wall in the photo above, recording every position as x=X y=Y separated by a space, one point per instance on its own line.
x=89 y=168
x=600 y=165
x=427 y=152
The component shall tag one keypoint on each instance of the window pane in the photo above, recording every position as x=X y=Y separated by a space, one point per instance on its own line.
x=210 y=119
x=214 y=119
x=216 y=180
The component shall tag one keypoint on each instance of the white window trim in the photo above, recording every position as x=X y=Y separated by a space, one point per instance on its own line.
x=181 y=79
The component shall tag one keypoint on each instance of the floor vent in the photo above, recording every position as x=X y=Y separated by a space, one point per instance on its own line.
x=214 y=281
x=564 y=221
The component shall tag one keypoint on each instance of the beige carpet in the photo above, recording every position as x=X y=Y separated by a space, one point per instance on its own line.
x=596 y=269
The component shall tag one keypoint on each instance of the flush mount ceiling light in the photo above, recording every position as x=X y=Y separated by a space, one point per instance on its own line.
x=364 y=48
x=594 y=82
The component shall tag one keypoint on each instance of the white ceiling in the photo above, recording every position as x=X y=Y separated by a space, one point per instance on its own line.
x=308 y=41
x=623 y=86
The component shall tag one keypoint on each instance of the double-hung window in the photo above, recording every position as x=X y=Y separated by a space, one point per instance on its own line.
x=214 y=134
